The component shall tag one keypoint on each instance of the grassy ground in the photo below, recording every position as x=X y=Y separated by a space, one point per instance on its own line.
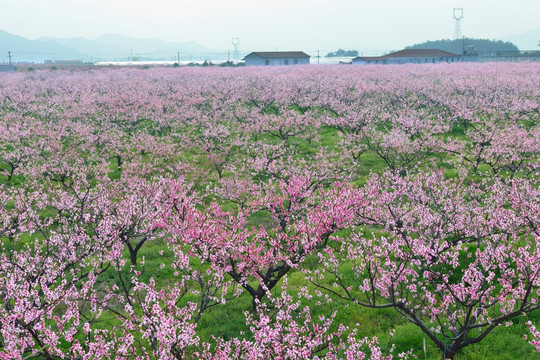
x=504 y=343
x=228 y=321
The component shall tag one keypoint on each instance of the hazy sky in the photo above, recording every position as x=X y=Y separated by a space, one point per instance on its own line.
x=272 y=24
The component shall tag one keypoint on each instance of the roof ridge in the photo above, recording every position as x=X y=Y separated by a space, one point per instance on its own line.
x=279 y=54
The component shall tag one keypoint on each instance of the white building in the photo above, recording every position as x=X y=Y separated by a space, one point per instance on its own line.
x=411 y=56
x=274 y=58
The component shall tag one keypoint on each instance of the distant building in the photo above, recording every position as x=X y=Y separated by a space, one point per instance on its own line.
x=7 y=68
x=273 y=58
x=411 y=56
x=68 y=62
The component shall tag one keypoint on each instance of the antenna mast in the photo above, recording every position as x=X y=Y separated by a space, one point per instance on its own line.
x=236 y=44
x=458 y=15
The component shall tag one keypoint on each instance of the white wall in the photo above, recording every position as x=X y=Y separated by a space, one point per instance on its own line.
x=255 y=60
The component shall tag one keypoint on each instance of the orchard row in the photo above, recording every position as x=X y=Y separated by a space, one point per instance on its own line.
x=413 y=188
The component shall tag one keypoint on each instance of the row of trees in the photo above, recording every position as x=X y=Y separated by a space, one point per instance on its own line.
x=342 y=53
x=405 y=188
x=457 y=45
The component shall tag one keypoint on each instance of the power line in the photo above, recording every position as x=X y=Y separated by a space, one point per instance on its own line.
x=112 y=54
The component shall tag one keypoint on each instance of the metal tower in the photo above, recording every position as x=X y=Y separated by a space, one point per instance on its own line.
x=236 y=44
x=458 y=15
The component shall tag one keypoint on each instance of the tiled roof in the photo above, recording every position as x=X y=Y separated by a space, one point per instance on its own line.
x=410 y=53
x=419 y=53
x=280 y=54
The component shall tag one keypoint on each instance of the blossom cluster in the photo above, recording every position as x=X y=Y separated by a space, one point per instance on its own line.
x=408 y=187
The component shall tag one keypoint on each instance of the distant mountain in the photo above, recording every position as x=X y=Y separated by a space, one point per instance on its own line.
x=141 y=45
x=525 y=41
x=456 y=46
x=105 y=47
x=23 y=49
x=155 y=46
x=85 y=46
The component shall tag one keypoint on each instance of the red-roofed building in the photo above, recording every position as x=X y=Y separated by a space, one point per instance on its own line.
x=411 y=56
x=273 y=58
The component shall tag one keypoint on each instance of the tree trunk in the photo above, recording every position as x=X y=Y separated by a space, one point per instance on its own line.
x=119 y=162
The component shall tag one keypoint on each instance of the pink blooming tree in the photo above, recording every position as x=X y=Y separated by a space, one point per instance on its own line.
x=218 y=145
x=51 y=304
x=287 y=330
x=154 y=321
x=455 y=257
x=45 y=286
x=159 y=320
x=299 y=219
x=135 y=206
x=408 y=140
x=493 y=145
x=17 y=144
x=455 y=260
x=535 y=341
x=281 y=163
x=286 y=124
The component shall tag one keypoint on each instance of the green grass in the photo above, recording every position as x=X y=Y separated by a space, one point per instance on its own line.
x=228 y=320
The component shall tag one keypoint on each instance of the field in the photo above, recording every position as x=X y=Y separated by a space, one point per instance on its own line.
x=338 y=212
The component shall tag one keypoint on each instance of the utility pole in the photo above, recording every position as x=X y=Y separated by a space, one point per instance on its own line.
x=9 y=56
x=318 y=57
x=178 y=56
